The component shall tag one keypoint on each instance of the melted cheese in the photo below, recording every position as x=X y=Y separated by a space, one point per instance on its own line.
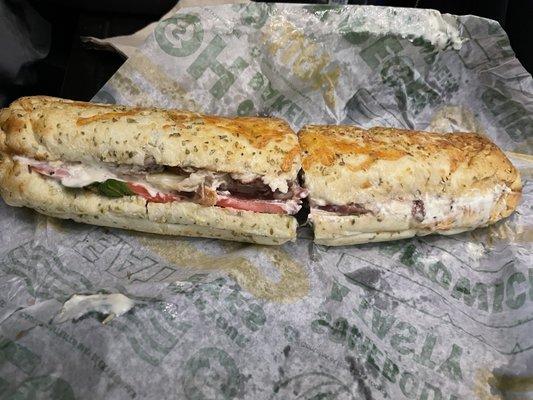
x=473 y=210
x=291 y=206
x=80 y=175
x=276 y=183
x=289 y=158
x=476 y=208
x=253 y=129
x=321 y=148
x=246 y=177
x=165 y=181
x=83 y=175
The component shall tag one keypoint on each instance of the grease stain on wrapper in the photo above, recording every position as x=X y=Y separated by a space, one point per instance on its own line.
x=292 y=284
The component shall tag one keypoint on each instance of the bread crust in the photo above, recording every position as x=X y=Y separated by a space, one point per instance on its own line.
x=463 y=179
x=48 y=128
x=20 y=187
x=382 y=169
x=340 y=230
x=346 y=164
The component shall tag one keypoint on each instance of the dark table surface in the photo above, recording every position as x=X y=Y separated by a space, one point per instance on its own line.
x=76 y=70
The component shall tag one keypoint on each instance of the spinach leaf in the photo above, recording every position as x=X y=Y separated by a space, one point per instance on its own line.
x=113 y=188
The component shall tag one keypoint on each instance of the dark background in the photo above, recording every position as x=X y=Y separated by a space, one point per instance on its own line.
x=75 y=70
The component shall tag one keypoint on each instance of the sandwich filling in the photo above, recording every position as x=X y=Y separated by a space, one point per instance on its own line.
x=429 y=211
x=166 y=184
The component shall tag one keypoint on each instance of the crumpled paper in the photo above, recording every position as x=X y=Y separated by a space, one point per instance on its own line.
x=430 y=318
x=128 y=44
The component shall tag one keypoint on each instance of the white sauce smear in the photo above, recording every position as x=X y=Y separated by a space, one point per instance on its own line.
x=111 y=304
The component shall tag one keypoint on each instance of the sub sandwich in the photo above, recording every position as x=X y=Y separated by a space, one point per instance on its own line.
x=383 y=184
x=182 y=173
x=152 y=170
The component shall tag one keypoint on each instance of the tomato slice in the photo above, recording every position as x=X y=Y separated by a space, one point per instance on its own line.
x=260 y=206
x=159 y=197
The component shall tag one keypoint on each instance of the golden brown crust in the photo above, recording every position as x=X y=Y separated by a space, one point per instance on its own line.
x=20 y=187
x=55 y=129
x=462 y=181
x=345 y=164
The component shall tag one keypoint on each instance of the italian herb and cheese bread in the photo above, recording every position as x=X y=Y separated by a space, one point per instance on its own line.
x=384 y=184
x=153 y=170
x=181 y=173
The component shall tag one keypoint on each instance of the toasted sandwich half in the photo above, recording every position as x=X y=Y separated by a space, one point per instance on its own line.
x=152 y=170
x=383 y=184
